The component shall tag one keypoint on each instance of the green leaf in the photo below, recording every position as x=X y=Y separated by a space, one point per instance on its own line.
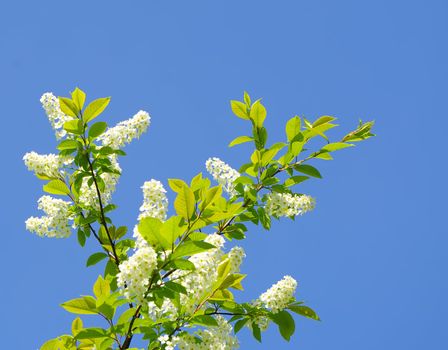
x=239 y=109
x=247 y=99
x=260 y=136
x=68 y=107
x=285 y=322
x=67 y=144
x=233 y=281
x=189 y=248
x=150 y=229
x=293 y=128
x=95 y=108
x=78 y=97
x=239 y=324
x=308 y=170
x=211 y=196
x=239 y=140
x=258 y=113
x=204 y=320
x=81 y=237
x=221 y=295
x=185 y=202
x=256 y=332
x=269 y=155
x=172 y=229
x=76 y=326
x=175 y=287
x=53 y=344
x=304 y=311
x=295 y=148
x=91 y=333
x=294 y=180
x=85 y=305
x=97 y=129
x=324 y=156
x=176 y=184
x=120 y=232
x=101 y=288
x=323 y=120
x=56 y=187
x=331 y=147
x=95 y=258
x=182 y=265
x=74 y=127
x=255 y=157
x=363 y=132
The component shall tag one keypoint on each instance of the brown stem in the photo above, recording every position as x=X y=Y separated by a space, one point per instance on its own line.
x=103 y=217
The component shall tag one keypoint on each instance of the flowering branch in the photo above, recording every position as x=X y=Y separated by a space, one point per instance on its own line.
x=174 y=273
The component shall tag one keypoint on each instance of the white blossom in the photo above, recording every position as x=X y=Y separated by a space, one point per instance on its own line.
x=287 y=204
x=169 y=342
x=200 y=281
x=280 y=294
x=56 y=221
x=236 y=256
x=223 y=174
x=88 y=196
x=125 y=131
x=167 y=310
x=262 y=322
x=139 y=240
x=57 y=118
x=135 y=272
x=45 y=164
x=155 y=202
x=213 y=338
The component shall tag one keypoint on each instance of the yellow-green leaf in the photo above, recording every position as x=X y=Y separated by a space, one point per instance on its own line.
x=239 y=140
x=176 y=184
x=239 y=109
x=95 y=108
x=258 y=113
x=331 y=147
x=323 y=120
x=293 y=128
x=56 y=187
x=68 y=107
x=101 y=288
x=85 y=305
x=76 y=326
x=172 y=229
x=78 y=97
x=185 y=203
x=73 y=127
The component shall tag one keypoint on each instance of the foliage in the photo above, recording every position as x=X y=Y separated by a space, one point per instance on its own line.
x=172 y=283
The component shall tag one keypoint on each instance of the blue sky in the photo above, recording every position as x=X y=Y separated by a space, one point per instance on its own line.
x=372 y=257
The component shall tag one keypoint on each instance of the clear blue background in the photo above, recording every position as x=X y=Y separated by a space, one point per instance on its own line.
x=372 y=257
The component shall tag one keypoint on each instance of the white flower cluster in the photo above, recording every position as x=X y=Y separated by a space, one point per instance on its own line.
x=199 y=282
x=236 y=256
x=287 y=204
x=50 y=103
x=88 y=197
x=125 y=131
x=223 y=174
x=280 y=294
x=135 y=272
x=155 y=202
x=45 y=164
x=169 y=342
x=56 y=221
x=216 y=338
